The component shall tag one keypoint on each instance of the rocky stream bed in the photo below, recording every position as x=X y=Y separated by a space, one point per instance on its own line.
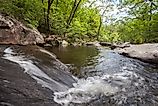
x=73 y=76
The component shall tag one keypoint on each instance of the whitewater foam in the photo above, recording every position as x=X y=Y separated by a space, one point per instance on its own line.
x=50 y=54
x=32 y=70
x=85 y=90
x=8 y=51
x=91 y=88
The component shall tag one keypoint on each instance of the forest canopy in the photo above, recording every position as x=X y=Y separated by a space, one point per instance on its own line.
x=134 y=21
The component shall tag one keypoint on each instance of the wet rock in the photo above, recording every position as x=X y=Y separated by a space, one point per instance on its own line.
x=105 y=44
x=143 y=52
x=93 y=44
x=53 y=40
x=114 y=46
x=65 y=43
x=14 y=32
x=47 y=45
x=19 y=87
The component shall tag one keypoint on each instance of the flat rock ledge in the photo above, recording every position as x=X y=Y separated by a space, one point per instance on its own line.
x=14 y=32
x=144 y=52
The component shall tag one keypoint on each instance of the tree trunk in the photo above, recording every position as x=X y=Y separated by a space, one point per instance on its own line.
x=57 y=3
x=44 y=10
x=73 y=11
x=150 y=17
x=72 y=14
x=74 y=5
x=48 y=13
x=92 y=3
x=100 y=24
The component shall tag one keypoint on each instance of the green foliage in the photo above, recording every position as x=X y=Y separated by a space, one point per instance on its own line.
x=84 y=24
x=143 y=27
x=140 y=26
x=28 y=11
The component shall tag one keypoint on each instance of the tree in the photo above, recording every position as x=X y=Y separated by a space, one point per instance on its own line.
x=48 y=13
x=73 y=11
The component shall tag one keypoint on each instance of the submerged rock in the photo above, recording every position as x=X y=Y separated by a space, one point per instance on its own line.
x=143 y=52
x=14 y=32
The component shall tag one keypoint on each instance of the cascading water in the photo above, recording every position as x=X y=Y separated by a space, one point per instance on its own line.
x=34 y=71
x=104 y=79
x=114 y=79
x=86 y=90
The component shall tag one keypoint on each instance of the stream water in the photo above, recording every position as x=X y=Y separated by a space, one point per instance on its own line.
x=100 y=77
x=107 y=78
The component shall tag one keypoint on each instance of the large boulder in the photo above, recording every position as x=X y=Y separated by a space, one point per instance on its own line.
x=143 y=52
x=29 y=76
x=14 y=32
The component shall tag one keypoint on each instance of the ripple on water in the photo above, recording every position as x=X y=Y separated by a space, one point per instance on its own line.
x=113 y=80
x=91 y=88
x=121 y=81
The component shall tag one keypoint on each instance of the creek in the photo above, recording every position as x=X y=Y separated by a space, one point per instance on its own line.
x=98 y=76
x=107 y=78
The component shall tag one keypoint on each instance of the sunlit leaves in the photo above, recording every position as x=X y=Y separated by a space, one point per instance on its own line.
x=142 y=26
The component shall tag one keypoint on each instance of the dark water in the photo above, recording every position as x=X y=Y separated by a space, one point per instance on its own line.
x=97 y=59
x=76 y=58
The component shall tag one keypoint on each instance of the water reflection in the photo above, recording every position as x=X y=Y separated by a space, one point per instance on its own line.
x=106 y=78
x=101 y=70
x=76 y=57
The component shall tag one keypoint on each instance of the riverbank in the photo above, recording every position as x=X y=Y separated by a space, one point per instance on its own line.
x=144 y=52
x=14 y=32
x=36 y=77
